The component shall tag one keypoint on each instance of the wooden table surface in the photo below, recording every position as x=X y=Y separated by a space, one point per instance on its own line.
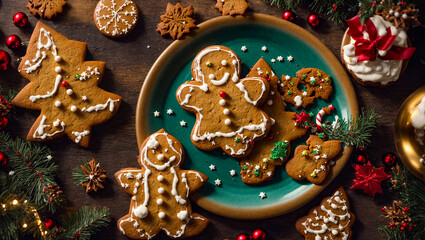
x=114 y=143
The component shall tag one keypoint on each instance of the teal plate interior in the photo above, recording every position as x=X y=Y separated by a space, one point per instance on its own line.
x=175 y=70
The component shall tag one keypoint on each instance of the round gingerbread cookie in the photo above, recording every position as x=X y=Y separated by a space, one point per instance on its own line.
x=116 y=18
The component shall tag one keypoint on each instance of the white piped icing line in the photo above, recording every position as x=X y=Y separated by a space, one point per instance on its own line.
x=90 y=71
x=39 y=132
x=99 y=107
x=80 y=135
x=116 y=15
x=418 y=121
x=321 y=224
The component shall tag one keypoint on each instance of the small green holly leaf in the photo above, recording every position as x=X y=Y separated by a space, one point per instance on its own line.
x=279 y=150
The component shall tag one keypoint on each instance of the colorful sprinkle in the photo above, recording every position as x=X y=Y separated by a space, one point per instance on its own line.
x=223 y=94
x=77 y=76
x=244 y=167
x=304 y=153
x=257 y=173
x=289 y=92
x=313 y=174
x=304 y=76
x=321 y=135
x=209 y=64
x=237 y=139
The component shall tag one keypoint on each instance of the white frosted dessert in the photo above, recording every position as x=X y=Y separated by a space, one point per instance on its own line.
x=418 y=121
x=378 y=71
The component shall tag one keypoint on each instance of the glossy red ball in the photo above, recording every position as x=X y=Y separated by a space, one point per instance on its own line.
x=64 y=84
x=314 y=19
x=288 y=16
x=20 y=19
x=243 y=236
x=13 y=42
x=3 y=159
x=223 y=94
x=4 y=60
x=259 y=234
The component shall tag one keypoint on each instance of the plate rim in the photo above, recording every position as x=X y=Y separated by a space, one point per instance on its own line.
x=333 y=62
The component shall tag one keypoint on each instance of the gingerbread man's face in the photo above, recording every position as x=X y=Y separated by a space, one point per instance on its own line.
x=216 y=65
x=161 y=156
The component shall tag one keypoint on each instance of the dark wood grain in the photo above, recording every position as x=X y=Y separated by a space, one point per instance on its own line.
x=128 y=61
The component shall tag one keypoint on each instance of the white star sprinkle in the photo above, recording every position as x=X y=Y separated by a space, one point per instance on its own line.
x=290 y=58
x=243 y=48
x=156 y=114
x=280 y=59
x=232 y=172
x=257 y=167
x=183 y=123
x=273 y=60
x=84 y=98
x=264 y=49
x=287 y=77
x=312 y=79
x=170 y=111
x=217 y=182
x=262 y=195
x=49 y=157
x=212 y=167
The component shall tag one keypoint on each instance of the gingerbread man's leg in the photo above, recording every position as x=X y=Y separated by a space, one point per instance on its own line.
x=134 y=229
x=196 y=225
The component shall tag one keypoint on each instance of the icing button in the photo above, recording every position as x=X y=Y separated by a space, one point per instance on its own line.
x=58 y=69
x=161 y=190
x=69 y=92
x=222 y=102
x=58 y=103
x=227 y=122
x=73 y=108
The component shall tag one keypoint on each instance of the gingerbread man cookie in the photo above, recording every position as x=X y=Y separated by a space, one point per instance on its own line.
x=160 y=192
x=226 y=107
x=272 y=151
x=311 y=162
x=317 y=84
x=331 y=220
x=64 y=87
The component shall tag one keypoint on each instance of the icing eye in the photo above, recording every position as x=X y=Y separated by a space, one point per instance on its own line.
x=211 y=76
x=160 y=157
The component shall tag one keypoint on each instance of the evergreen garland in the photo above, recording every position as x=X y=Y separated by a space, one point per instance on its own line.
x=356 y=131
x=411 y=192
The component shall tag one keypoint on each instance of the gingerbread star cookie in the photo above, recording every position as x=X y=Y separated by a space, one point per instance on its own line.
x=232 y=7
x=331 y=220
x=160 y=192
x=116 y=18
x=311 y=161
x=309 y=84
x=176 y=21
x=46 y=8
x=64 y=87
x=272 y=151
x=226 y=107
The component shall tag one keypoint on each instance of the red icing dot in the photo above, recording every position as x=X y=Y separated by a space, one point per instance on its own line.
x=223 y=94
x=270 y=136
x=252 y=143
x=65 y=84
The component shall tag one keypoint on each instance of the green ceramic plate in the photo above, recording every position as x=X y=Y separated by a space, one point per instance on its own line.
x=235 y=199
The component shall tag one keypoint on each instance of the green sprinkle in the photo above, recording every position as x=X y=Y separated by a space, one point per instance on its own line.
x=264 y=167
x=289 y=92
x=77 y=76
x=237 y=139
x=313 y=174
x=257 y=173
x=321 y=135
x=314 y=151
x=304 y=76
x=319 y=74
x=307 y=124
x=304 y=153
x=311 y=114
x=291 y=83
x=279 y=150
x=267 y=161
x=312 y=82
x=244 y=167
x=327 y=79
x=208 y=64
x=267 y=73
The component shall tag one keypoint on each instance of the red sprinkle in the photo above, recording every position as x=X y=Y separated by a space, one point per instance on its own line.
x=65 y=84
x=252 y=143
x=223 y=94
x=270 y=136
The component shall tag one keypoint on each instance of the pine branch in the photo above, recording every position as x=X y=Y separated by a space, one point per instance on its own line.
x=356 y=131
x=78 y=174
x=291 y=5
x=33 y=171
x=84 y=223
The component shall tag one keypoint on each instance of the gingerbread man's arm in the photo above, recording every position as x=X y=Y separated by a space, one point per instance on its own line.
x=195 y=179
x=129 y=178
x=188 y=93
x=255 y=89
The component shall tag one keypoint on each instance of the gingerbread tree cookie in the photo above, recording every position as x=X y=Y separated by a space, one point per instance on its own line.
x=311 y=162
x=232 y=7
x=272 y=151
x=226 y=107
x=160 y=191
x=64 y=87
x=316 y=82
x=331 y=220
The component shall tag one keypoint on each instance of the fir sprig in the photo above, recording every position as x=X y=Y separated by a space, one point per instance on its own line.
x=411 y=192
x=84 y=223
x=355 y=131
x=78 y=174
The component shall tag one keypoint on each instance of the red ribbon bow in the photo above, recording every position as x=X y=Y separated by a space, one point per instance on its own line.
x=367 y=49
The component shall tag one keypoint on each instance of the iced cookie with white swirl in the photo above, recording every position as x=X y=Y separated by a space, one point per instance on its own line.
x=331 y=220
x=160 y=192
x=116 y=18
x=226 y=107
x=64 y=87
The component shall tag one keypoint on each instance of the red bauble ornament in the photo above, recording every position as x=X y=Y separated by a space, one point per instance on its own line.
x=314 y=19
x=389 y=159
x=20 y=19
x=223 y=94
x=3 y=159
x=49 y=223
x=259 y=234
x=368 y=178
x=243 y=236
x=288 y=16
x=392 y=225
x=13 y=42
x=4 y=60
x=361 y=159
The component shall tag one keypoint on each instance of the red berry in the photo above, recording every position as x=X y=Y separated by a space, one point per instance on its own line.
x=65 y=84
x=392 y=225
x=404 y=224
x=51 y=200
x=252 y=143
x=243 y=236
x=383 y=209
x=41 y=179
x=223 y=94
x=259 y=234
x=402 y=228
x=406 y=209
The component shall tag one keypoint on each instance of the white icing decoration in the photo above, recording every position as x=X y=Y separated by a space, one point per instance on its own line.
x=160 y=178
x=84 y=98
x=161 y=215
x=88 y=73
x=381 y=71
x=48 y=94
x=241 y=87
x=58 y=58
x=69 y=92
x=141 y=211
x=116 y=14
x=41 y=55
x=152 y=143
x=39 y=132
x=58 y=69
x=56 y=123
x=160 y=157
x=298 y=100
x=226 y=111
x=182 y=215
x=73 y=108
x=222 y=102
x=227 y=122
x=161 y=190
x=58 y=103
x=159 y=201
x=100 y=107
x=178 y=198
x=79 y=135
x=224 y=62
